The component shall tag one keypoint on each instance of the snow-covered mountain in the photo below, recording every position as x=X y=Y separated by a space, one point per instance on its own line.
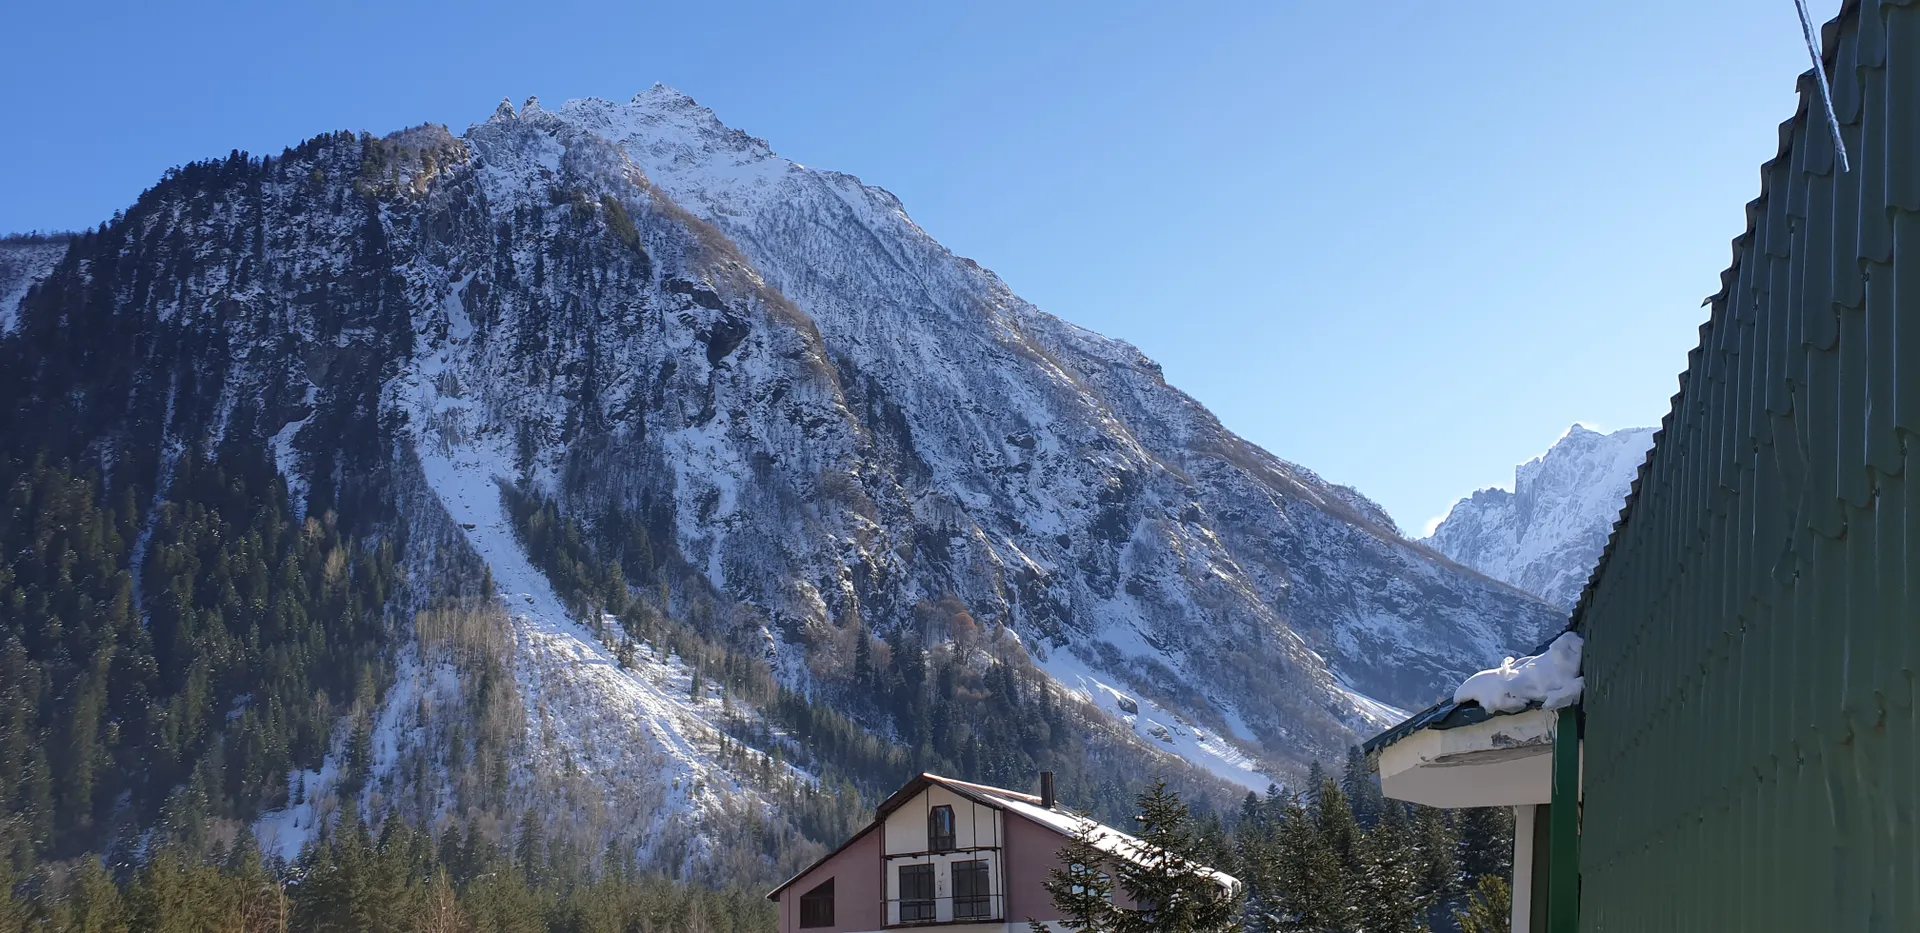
x=837 y=441
x=1545 y=535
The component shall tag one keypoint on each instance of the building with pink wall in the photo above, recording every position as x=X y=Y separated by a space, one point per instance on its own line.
x=948 y=853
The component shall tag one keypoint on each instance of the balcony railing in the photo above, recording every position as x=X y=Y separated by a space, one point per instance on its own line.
x=913 y=912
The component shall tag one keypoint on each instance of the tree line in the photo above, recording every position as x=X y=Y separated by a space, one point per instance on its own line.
x=356 y=880
x=1335 y=857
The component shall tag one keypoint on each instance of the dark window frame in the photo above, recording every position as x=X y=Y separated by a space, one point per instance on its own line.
x=812 y=914
x=919 y=906
x=938 y=841
x=974 y=900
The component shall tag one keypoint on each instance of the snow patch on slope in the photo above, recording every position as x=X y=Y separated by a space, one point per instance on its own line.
x=1171 y=733
x=1373 y=713
x=22 y=265
x=628 y=745
x=587 y=717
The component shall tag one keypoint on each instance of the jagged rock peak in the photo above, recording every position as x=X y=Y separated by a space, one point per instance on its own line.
x=661 y=94
x=1544 y=535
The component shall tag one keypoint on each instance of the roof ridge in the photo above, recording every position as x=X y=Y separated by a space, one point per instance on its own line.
x=989 y=788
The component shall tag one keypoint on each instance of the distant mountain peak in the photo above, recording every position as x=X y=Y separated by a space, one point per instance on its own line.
x=1544 y=535
x=662 y=93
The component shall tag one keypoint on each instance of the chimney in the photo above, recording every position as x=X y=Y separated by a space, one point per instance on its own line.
x=1046 y=789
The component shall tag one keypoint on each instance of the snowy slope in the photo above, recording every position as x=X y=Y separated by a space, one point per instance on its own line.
x=1545 y=535
x=23 y=262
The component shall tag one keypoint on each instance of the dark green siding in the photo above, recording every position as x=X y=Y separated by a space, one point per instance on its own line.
x=1752 y=631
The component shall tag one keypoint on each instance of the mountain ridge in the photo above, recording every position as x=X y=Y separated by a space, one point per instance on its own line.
x=644 y=393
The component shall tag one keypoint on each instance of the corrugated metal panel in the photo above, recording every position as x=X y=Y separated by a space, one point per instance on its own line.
x=1752 y=630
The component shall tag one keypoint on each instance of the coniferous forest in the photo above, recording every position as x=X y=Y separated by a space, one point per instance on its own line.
x=262 y=632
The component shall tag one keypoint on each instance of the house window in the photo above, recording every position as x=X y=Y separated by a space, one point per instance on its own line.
x=972 y=893
x=916 y=893
x=1087 y=879
x=940 y=829
x=816 y=906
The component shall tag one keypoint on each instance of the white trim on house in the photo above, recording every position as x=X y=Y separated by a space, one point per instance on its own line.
x=1501 y=762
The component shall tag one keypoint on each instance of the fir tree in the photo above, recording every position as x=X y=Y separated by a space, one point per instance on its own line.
x=1437 y=845
x=1489 y=907
x=1168 y=887
x=1357 y=781
x=1486 y=842
x=1081 y=888
x=1389 y=879
x=1309 y=879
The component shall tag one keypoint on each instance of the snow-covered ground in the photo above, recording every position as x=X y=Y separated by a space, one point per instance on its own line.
x=1203 y=748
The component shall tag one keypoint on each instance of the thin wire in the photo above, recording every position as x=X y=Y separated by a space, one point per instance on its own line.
x=1820 y=74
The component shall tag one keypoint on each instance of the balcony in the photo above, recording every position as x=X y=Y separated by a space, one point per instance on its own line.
x=937 y=911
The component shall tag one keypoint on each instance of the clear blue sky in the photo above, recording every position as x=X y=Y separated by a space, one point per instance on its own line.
x=1403 y=243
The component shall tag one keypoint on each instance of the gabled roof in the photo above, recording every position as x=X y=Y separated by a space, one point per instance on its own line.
x=994 y=797
x=1026 y=806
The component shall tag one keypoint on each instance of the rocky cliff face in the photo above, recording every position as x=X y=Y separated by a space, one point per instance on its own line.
x=1077 y=495
x=1546 y=534
x=856 y=443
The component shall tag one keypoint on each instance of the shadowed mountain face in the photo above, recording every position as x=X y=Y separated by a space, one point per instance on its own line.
x=853 y=440
x=1546 y=534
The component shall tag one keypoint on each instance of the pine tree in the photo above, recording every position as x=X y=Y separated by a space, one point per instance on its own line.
x=178 y=896
x=1082 y=890
x=96 y=902
x=1166 y=884
x=1309 y=882
x=1438 y=852
x=1486 y=842
x=13 y=911
x=1333 y=818
x=1389 y=879
x=1489 y=908
x=1362 y=788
